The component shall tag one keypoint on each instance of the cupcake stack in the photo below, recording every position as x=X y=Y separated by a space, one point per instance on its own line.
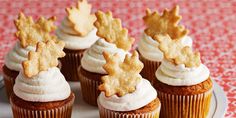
x=166 y=80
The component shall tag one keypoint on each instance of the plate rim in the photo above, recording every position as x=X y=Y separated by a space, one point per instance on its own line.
x=220 y=98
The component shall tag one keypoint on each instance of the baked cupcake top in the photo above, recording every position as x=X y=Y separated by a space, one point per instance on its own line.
x=161 y=24
x=113 y=39
x=124 y=89
x=181 y=66
x=77 y=29
x=28 y=33
x=40 y=80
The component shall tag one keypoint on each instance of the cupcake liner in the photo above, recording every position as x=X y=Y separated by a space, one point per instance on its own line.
x=106 y=113
x=9 y=83
x=70 y=64
x=89 y=88
x=9 y=77
x=64 y=111
x=185 y=106
x=149 y=69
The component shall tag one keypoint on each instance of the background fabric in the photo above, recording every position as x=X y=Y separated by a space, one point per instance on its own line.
x=211 y=24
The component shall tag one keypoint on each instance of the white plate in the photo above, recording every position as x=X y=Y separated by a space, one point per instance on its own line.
x=83 y=110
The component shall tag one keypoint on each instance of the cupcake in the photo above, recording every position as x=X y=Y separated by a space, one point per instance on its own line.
x=28 y=33
x=113 y=39
x=124 y=93
x=78 y=33
x=40 y=89
x=149 y=54
x=182 y=82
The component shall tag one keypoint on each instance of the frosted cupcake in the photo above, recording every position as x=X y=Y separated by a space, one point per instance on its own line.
x=78 y=32
x=40 y=89
x=124 y=93
x=150 y=55
x=182 y=81
x=28 y=33
x=111 y=41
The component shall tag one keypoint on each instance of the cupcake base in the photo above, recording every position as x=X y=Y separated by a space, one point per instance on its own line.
x=9 y=77
x=89 y=85
x=151 y=110
x=70 y=64
x=149 y=69
x=56 y=109
x=184 y=101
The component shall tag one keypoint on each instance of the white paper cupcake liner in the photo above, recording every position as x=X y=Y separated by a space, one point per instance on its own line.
x=59 y=112
x=70 y=64
x=9 y=83
x=106 y=113
x=185 y=106
x=150 y=67
x=89 y=88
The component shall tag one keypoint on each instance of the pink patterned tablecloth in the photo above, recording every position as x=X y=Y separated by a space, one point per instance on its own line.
x=212 y=25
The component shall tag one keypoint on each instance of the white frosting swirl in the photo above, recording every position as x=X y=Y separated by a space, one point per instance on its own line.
x=179 y=75
x=93 y=59
x=149 y=47
x=143 y=95
x=17 y=55
x=72 y=41
x=47 y=86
